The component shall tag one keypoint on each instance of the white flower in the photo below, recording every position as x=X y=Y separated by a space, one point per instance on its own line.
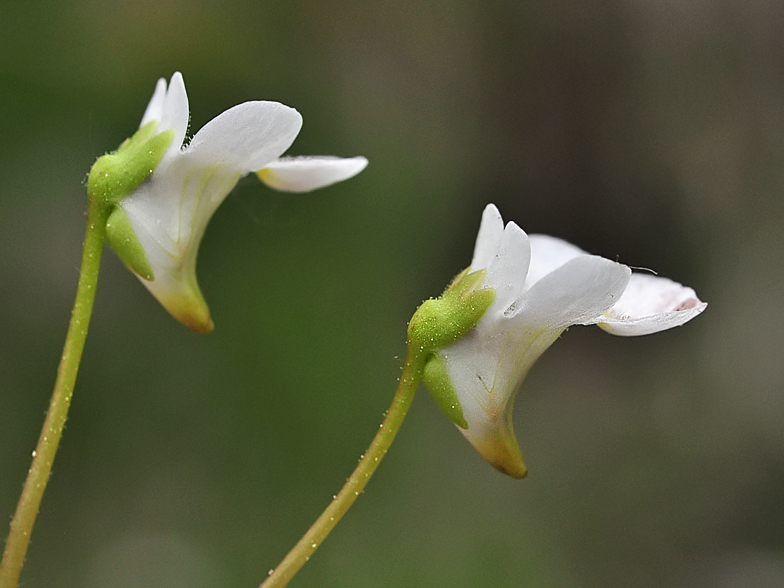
x=169 y=212
x=543 y=285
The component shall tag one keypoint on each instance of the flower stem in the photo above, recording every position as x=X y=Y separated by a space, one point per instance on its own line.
x=301 y=552
x=43 y=456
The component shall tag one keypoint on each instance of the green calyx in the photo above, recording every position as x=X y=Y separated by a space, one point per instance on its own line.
x=436 y=380
x=116 y=175
x=438 y=323
x=124 y=242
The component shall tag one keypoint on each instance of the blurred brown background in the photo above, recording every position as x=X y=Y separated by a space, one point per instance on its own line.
x=649 y=132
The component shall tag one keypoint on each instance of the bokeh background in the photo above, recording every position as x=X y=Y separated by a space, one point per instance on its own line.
x=649 y=132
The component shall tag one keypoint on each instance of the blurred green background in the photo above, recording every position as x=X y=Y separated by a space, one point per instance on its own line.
x=649 y=132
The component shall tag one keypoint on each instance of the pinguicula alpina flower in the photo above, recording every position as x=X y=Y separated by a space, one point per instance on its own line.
x=156 y=230
x=542 y=286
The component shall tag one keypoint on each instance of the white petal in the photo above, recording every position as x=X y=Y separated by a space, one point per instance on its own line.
x=508 y=268
x=490 y=231
x=176 y=206
x=178 y=292
x=576 y=293
x=486 y=399
x=303 y=174
x=169 y=215
x=495 y=441
x=155 y=107
x=651 y=304
x=487 y=368
x=170 y=109
x=246 y=137
x=175 y=113
x=488 y=364
x=547 y=255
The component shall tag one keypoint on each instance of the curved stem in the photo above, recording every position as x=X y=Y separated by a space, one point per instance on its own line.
x=296 y=558
x=43 y=456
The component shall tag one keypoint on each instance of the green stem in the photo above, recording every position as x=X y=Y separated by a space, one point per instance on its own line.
x=43 y=456
x=296 y=558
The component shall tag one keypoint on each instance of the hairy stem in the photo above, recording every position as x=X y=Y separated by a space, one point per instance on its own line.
x=43 y=456
x=301 y=552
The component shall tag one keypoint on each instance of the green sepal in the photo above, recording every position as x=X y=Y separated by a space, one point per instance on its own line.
x=142 y=134
x=125 y=243
x=116 y=175
x=439 y=322
x=436 y=380
x=463 y=284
